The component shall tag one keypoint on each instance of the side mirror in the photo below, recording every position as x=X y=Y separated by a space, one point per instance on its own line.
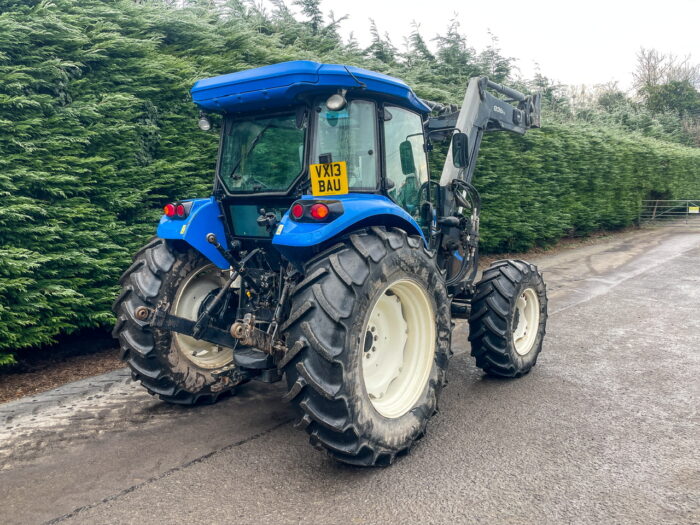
x=408 y=165
x=460 y=150
x=427 y=212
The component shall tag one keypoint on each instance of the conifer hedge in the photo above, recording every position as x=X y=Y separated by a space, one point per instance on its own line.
x=571 y=181
x=97 y=132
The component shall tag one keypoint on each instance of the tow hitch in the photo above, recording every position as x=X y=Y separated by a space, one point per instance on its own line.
x=246 y=332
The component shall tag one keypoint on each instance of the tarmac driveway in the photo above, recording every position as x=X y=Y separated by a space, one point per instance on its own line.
x=604 y=429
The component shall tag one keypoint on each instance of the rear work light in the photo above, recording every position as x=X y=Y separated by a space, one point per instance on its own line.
x=177 y=210
x=308 y=210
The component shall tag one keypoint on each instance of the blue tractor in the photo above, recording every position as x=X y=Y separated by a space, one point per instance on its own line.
x=328 y=256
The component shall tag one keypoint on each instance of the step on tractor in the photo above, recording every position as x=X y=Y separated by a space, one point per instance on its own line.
x=328 y=256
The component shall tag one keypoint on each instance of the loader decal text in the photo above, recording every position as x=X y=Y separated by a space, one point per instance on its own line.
x=329 y=179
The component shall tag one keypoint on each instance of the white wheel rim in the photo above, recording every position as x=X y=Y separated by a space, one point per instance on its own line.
x=526 y=321
x=398 y=348
x=188 y=300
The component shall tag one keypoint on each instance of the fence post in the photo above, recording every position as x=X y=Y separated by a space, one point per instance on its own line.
x=639 y=217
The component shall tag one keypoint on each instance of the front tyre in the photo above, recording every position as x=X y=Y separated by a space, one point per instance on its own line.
x=508 y=318
x=178 y=368
x=368 y=338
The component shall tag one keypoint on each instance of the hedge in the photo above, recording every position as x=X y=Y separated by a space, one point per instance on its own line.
x=97 y=132
x=574 y=180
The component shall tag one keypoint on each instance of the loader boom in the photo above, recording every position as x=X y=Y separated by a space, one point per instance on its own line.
x=481 y=111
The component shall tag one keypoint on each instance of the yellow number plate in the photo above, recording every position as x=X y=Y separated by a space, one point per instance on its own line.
x=329 y=179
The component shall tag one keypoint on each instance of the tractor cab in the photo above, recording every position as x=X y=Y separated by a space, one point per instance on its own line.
x=315 y=132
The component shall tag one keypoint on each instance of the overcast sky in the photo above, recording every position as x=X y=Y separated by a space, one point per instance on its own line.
x=575 y=42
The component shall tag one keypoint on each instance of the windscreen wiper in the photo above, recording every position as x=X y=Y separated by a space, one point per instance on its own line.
x=252 y=145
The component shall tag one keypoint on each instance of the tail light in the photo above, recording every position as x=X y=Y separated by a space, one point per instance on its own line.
x=177 y=210
x=319 y=211
x=297 y=211
x=307 y=210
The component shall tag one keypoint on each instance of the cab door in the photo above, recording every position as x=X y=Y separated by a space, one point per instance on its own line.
x=405 y=162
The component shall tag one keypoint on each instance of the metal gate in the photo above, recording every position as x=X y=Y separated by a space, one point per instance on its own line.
x=681 y=212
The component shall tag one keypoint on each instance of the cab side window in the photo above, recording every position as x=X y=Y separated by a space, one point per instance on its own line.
x=406 y=164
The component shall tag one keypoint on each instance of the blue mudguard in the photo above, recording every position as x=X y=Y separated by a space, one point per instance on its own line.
x=204 y=218
x=297 y=240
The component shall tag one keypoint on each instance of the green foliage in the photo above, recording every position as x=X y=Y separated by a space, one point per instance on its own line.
x=678 y=96
x=98 y=132
x=669 y=111
x=571 y=181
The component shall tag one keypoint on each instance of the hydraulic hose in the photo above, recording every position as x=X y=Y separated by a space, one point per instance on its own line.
x=472 y=257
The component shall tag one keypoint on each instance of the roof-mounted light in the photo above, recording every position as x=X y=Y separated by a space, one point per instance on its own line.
x=204 y=123
x=337 y=101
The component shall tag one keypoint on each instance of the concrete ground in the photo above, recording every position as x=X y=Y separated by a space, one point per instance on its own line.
x=604 y=429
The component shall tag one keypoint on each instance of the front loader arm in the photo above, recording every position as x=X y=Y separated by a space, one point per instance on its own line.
x=481 y=112
x=459 y=206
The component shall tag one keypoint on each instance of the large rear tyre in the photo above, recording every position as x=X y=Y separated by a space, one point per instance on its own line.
x=508 y=318
x=368 y=338
x=178 y=368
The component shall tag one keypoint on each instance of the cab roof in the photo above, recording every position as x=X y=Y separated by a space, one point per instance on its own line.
x=283 y=84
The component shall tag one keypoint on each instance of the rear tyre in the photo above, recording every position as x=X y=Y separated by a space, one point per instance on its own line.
x=508 y=318
x=368 y=338
x=179 y=369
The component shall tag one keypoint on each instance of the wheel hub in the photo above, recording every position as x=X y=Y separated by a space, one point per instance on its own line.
x=526 y=321
x=192 y=296
x=385 y=340
x=398 y=347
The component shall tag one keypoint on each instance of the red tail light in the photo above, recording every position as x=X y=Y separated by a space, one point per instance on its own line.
x=177 y=210
x=297 y=211
x=319 y=211
x=307 y=210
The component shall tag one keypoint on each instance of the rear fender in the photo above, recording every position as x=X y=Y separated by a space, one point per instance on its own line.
x=204 y=217
x=298 y=241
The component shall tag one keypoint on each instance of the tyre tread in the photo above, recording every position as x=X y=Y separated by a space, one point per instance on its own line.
x=141 y=283
x=324 y=409
x=491 y=307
